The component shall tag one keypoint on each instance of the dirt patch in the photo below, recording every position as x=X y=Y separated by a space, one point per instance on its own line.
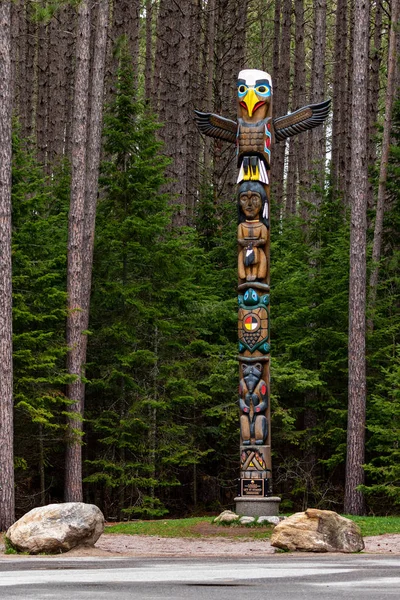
x=149 y=546
x=113 y=545
x=205 y=529
x=389 y=543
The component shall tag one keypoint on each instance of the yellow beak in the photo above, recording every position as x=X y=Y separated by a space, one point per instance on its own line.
x=251 y=100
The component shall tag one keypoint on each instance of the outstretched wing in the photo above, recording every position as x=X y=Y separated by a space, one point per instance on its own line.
x=216 y=126
x=303 y=119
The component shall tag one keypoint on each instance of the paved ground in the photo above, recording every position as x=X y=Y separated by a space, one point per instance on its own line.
x=278 y=577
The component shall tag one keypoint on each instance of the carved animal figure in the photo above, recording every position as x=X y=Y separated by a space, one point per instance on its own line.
x=253 y=402
x=254 y=130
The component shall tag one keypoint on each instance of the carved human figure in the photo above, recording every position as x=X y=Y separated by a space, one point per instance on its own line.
x=252 y=234
x=253 y=402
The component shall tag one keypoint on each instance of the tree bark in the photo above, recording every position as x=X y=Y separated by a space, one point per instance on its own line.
x=126 y=22
x=281 y=100
x=354 y=499
x=148 y=84
x=43 y=80
x=338 y=165
x=348 y=120
x=6 y=366
x=297 y=162
x=172 y=85
x=383 y=172
x=75 y=390
x=209 y=73
x=316 y=161
x=374 y=92
x=93 y=160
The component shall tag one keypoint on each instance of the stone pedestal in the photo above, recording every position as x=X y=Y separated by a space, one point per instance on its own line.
x=258 y=507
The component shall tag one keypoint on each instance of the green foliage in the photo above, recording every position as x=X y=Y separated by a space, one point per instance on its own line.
x=383 y=417
x=153 y=353
x=9 y=547
x=309 y=303
x=39 y=299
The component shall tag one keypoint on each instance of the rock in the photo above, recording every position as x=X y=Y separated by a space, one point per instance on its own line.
x=272 y=520
x=57 y=528
x=226 y=517
x=246 y=520
x=317 y=531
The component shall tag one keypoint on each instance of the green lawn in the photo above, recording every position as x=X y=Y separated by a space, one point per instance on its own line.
x=194 y=527
x=201 y=527
x=377 y=525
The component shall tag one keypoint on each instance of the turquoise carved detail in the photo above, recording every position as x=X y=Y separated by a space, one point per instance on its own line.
x=253 y=299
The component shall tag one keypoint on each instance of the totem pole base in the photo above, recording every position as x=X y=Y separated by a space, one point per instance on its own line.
x=258 y=507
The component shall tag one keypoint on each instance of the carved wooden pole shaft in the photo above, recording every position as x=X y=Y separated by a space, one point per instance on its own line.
x=254 y=133
x=254 y=140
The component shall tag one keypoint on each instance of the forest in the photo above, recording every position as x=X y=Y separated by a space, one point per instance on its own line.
x=118 y=255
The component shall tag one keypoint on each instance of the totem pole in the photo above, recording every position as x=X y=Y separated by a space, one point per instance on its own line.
x=254 y=133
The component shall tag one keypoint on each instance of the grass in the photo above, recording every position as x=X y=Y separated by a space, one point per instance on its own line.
x=9 y=548
x=376 y=525
x=200 y=527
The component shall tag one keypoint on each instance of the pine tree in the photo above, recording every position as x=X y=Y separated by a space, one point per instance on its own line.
x=39 y=275
x=140 y=303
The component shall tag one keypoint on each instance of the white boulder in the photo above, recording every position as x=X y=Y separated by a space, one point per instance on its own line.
x=227 y=516
x=272 y=520
x=57 y=528
x=246 y=520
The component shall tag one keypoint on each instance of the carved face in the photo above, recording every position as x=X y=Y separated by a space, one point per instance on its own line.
x=254 y=90
x=251 y=204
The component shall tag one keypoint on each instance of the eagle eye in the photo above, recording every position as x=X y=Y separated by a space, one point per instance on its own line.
x=242 y=89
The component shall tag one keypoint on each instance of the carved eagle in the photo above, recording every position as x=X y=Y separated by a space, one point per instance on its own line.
x=296 y=122
x=255 y=128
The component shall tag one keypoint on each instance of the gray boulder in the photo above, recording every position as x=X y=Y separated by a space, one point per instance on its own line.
x=317 y=531
x=57 y=528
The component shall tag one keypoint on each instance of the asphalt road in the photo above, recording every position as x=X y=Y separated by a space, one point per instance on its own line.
x=284 y=577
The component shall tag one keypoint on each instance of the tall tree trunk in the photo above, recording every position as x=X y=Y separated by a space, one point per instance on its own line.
x=72 y=18
x=338 y=165
x=126 y=22
x=93 y=160
x=42 y=113
x=60 y=74
x=297 y=163
x=281 y=100
x=209 y=73
x=148 y=70
x=230 y=55
x=348 y=130
x=316 y=161
x=6 y=368
x=196 y=96
x=15 y=52
x=373 y=92
x=172 y=85
x=354 y=499
x=75 y=390
x=22 y=64
x=383 y=172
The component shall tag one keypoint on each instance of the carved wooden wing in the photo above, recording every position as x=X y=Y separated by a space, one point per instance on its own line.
x=303 y=119
x=216 y=126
